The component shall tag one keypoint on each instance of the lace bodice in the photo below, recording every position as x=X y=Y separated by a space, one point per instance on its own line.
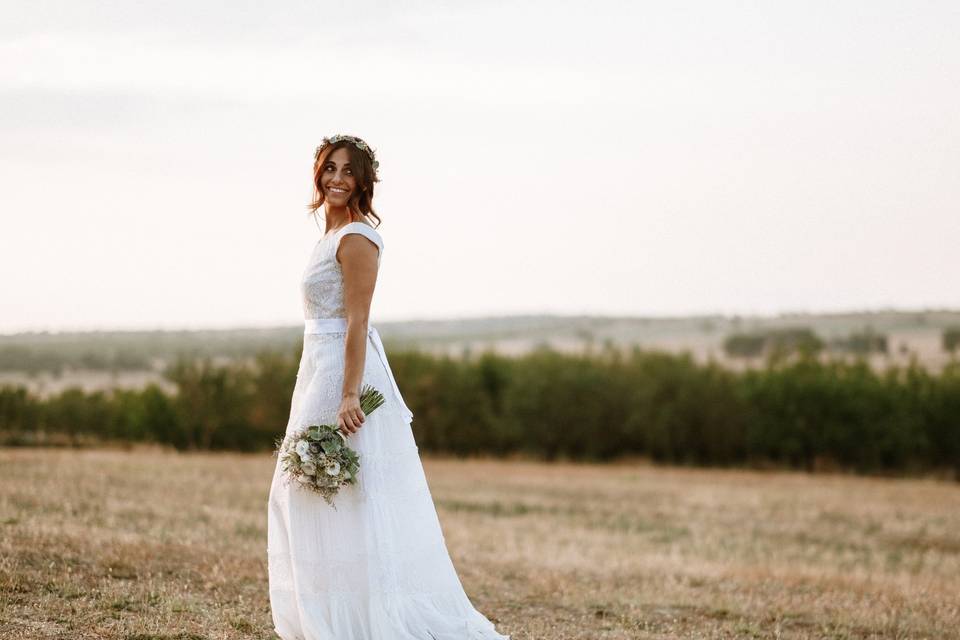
x=322 y=283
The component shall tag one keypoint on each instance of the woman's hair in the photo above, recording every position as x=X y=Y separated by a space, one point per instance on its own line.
x=361 y=201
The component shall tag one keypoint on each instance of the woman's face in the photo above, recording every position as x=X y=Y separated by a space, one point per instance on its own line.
x=336 y=178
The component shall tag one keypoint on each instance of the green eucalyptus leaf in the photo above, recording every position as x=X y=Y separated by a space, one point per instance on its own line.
x=330 y=447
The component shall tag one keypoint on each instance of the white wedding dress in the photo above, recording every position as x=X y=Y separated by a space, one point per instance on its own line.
x=377 y=566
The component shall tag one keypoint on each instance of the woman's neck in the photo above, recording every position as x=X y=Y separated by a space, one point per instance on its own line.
x=340 y=217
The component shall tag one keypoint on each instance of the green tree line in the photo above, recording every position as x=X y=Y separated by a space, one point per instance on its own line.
x=795 y=412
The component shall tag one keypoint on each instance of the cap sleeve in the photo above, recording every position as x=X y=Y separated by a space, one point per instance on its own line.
x=364 y=230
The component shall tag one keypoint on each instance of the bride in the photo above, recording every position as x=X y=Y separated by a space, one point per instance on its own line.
x=377 y=566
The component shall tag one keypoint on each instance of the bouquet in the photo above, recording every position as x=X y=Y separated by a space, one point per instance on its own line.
x=318 y=458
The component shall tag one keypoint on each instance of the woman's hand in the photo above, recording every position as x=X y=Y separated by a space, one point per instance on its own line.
x=350 y=416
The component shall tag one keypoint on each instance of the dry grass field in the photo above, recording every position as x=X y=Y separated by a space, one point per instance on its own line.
x=153 y=545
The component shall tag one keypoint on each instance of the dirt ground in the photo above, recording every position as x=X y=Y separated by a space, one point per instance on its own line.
x=154 y=545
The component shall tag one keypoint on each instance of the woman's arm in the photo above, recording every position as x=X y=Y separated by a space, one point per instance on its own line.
x=359 y=258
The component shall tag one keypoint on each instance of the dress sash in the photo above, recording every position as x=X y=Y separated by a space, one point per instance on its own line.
x=339 y=325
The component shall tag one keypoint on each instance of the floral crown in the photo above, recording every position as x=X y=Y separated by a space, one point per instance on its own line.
x=357 y=142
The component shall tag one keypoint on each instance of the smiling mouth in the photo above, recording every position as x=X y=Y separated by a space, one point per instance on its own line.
x=336 y=190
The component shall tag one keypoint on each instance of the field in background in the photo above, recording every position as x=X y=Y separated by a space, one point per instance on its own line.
x=30 y=359
x=153 y=545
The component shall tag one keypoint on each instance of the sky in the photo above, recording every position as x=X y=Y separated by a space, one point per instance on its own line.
x=603 y=158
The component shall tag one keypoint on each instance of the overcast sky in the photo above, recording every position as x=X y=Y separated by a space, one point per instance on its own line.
x=536 y=157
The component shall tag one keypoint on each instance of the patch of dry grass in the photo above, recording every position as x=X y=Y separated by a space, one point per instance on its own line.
x=153 y=545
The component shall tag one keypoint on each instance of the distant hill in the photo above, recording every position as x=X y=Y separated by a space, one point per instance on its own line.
x=113 y=357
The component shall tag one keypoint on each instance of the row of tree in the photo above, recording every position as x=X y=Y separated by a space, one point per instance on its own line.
x=798 y=412
x=802 y=339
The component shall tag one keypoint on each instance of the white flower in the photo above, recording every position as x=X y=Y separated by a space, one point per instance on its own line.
x=305 y=479
x=308 y=468
x=333 y=468
x=303 y=448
